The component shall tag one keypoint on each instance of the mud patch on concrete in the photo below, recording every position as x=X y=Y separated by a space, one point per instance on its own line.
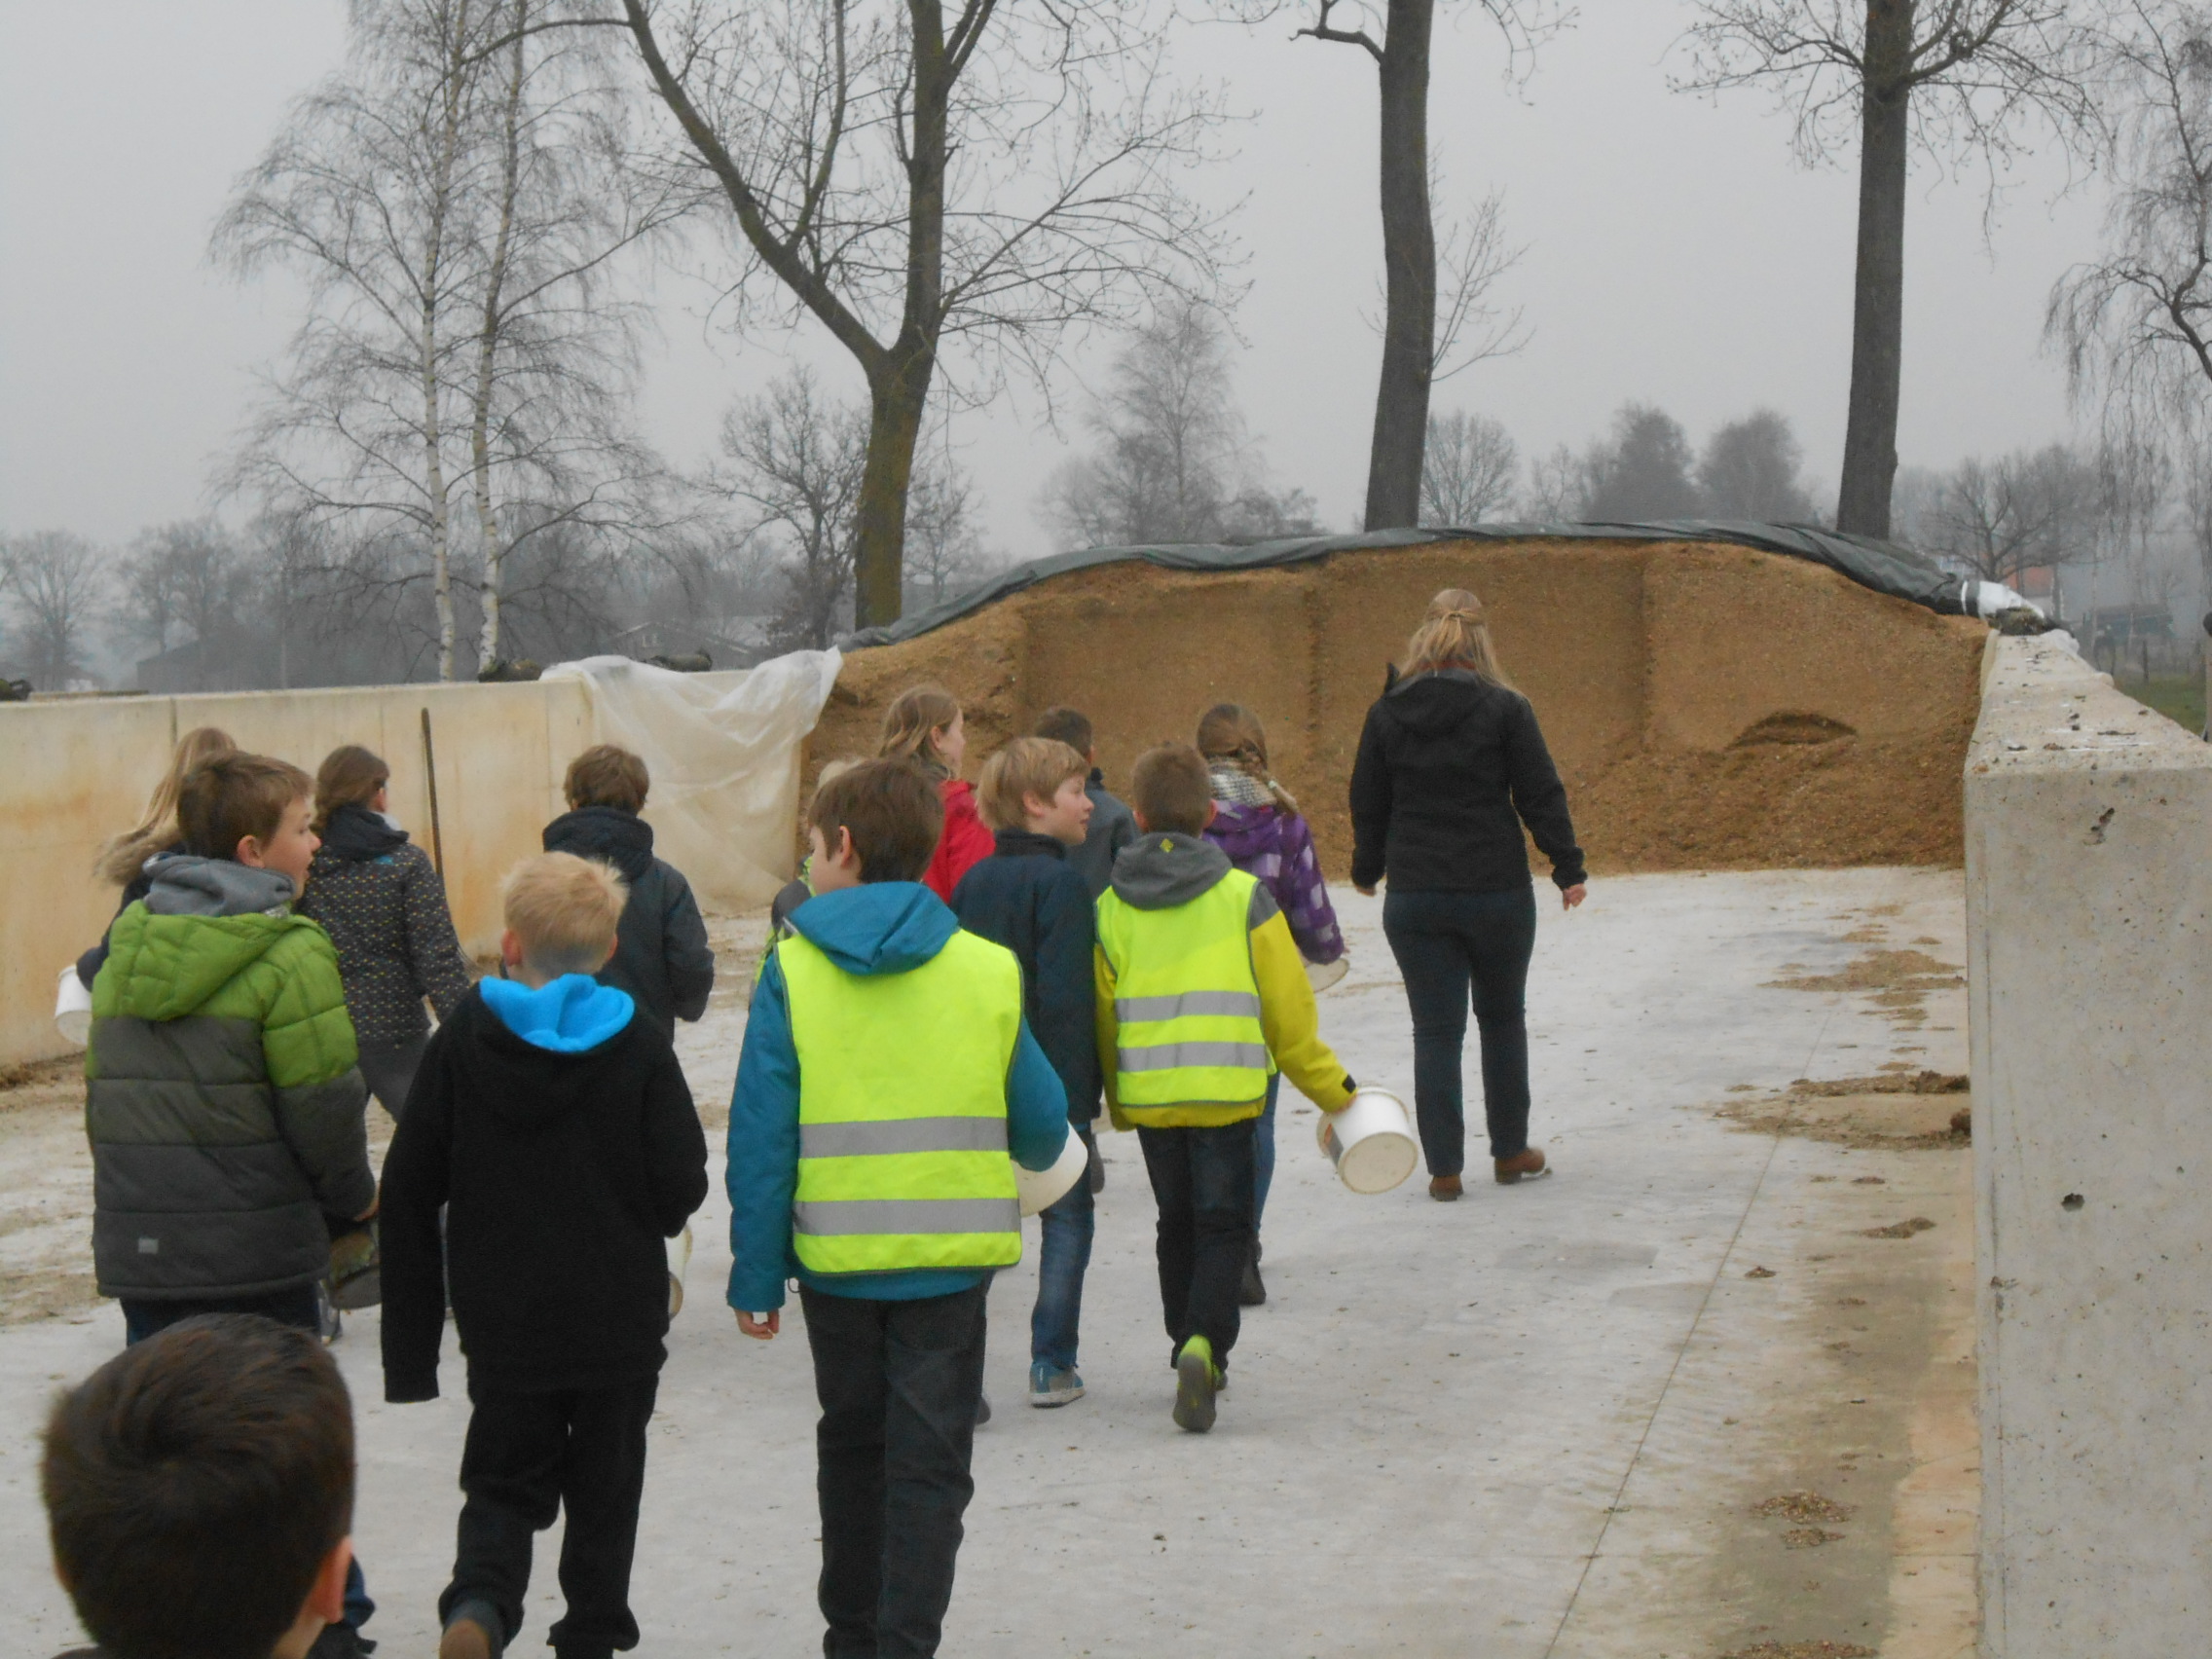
x=1925 y=1111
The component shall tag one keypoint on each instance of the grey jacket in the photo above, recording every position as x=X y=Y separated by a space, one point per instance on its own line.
x=1113 y=827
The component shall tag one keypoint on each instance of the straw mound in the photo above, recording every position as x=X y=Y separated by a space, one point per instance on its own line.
x=1709 y=707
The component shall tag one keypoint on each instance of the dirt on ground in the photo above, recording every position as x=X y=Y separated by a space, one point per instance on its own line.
x=1924 y=1111
x=1709 y=707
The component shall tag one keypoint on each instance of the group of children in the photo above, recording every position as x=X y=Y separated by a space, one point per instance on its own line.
x=964 y=977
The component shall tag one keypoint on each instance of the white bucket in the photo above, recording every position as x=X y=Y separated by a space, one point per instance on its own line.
x=1371 y=1141
x=73 y=1007
x=1041 y=1189
x=1323 y=975
x=679 y=1257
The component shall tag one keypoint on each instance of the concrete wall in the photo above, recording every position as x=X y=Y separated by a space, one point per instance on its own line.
x=2088 y=856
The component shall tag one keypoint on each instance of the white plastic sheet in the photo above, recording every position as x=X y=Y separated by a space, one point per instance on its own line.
x=724 y=749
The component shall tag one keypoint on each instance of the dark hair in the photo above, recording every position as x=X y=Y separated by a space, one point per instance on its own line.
x=1170 y=788
x=224 y=802
x=604 y=775
x=195 y=1485
x=891 y=810
x=1071 y=727
x=350 y=776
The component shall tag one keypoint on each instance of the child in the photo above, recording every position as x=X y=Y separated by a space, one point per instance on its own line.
x=924 y=726
x=1200 y=996
x=1112 y=828
x=1255 y=823
x=797 y=891
x=123 y=860
x=887 y=1073
x=199 y=1491
x=225 y=1111
x=552 y=1123
x=1027 y=898
x=663 y=962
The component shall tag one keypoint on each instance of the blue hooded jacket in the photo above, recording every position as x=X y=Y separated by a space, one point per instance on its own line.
x=887 y=926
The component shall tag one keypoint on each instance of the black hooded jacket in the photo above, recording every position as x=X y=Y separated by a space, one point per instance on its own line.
x=1451 y=765
x=661 y=954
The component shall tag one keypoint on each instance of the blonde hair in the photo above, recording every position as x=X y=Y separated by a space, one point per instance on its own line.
x=565 y=910
x=914 y=718
x=123 y=858
x=1026 y=766
x=1231 y=735
x=1454 y=634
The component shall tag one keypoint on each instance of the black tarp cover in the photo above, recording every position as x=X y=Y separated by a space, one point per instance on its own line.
x=1883 y=566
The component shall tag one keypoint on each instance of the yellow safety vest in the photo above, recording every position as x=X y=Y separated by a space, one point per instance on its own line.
x=901 y=1110
x=1185 y=1002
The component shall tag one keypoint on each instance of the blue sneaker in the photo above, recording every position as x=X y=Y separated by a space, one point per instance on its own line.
x=1053 y=1385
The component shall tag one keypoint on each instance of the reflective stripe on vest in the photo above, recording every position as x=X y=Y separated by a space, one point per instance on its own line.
x=1186 y=1000
x=901 y=1117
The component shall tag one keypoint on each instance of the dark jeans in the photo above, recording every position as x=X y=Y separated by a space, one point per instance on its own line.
x=898 y=1382
x=295 y=1307
x=1264 y=1152
x=389 y=1068
x=528 y=1457
x=1063 y=1256
x=1448 y=944
x=1203 y=1181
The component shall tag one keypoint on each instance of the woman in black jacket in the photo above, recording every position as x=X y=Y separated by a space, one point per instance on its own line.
x=1451 y=765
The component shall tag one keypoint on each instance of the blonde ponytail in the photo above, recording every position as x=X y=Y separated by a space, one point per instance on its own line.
x=1454 y=634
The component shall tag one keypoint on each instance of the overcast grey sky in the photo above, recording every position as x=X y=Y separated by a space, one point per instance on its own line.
x=1677 y=255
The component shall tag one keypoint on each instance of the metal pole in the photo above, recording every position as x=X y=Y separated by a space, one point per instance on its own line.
x=430 y=772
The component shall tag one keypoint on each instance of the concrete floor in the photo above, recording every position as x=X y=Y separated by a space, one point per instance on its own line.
x=1532 y=1423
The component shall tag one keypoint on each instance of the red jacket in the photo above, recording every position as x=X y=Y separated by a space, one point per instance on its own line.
x=965 y=843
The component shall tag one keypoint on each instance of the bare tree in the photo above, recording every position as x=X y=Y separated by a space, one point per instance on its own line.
x=1396 y=34
x=1557 y=488
x=1643 y=471
x=54 y=583
x=944 y=548
x=797 y=461
x=185 y=579
x=1996 y=520
x=916 y=175
x=1468 y=470
x=1957 y=77
x=1750 y=470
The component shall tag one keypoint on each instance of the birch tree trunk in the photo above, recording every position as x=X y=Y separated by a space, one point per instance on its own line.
x=445 y=158
x=494 y=552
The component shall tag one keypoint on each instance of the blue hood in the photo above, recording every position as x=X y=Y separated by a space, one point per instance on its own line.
x=572 y=1014
x=886 y=927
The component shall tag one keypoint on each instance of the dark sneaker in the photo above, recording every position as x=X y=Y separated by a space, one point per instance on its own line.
x=982 y=1410
x=1195 y=1384
x=1052 y=1384
x=340 y=1641
x=356 y=1270
x=1095 y=1175
x=1253 y=1292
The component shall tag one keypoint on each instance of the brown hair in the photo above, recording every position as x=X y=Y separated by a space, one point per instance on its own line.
x=565 y=910
x=195 y=1485
x=1071 y=727
x=122 y=859
x=348 y=776
x=891 y=810
x=914 y=718
x=1026 y=766
x=226 y=801
x=1454 y=634
x=1230 y=734
x=604 y=775
x=1170 y=791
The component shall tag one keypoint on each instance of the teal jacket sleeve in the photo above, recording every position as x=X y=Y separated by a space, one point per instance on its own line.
x=764 y=1149
x=1036 y=1106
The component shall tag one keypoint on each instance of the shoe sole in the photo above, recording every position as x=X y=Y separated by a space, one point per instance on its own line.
x=465 y=1639
x=1194 y=1394
x=1056 y=1397
x=364 y=1289
x=1518 y=1176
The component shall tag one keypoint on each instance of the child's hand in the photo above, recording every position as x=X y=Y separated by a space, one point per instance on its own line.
x=1570 y=897
x=1367 y=891
x=763 y=1328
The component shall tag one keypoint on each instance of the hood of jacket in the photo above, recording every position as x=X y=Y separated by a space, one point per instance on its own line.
x=883 y=927
x=1028 y=844
x=562 y=1017
x=530 y=1058
x=1156 y=873
x=1245 y=832
x=184 y=885
x=1431 y=705
x=205 y=922
x=606 y=833
x=356 y=834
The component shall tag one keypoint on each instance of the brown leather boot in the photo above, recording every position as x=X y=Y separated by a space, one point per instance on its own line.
x=1522 y=1166
x=1444 y=1189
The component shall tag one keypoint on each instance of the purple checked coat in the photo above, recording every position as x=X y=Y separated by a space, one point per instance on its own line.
x=1277 y=847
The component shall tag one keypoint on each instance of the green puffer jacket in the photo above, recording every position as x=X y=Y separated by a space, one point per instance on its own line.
x=223 y=1103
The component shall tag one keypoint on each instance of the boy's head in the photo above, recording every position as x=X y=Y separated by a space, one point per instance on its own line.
x=877 y=822
x=1036 y=783
x=253 y=810
x=199 y=1490
x=1170 y=791
x=604 y=775
x=562 y=914
x=1071 y=727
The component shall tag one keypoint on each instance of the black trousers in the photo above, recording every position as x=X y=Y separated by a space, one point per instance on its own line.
x=898 y=1382
x=389 y=1068
x=1453 y=947
x=528 y=1458
x=1203 y=1182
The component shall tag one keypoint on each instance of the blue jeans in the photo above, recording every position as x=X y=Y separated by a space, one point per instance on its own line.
x=1264 y=1153
x=1449 y=945
x=1061 y=1260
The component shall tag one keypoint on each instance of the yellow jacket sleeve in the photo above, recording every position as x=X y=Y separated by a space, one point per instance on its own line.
x=1290 y=1019
x=1109 y=1026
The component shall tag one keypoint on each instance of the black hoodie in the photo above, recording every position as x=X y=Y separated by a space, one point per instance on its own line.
x=561 y=1173
x=661 y=954
x=1451 y=765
